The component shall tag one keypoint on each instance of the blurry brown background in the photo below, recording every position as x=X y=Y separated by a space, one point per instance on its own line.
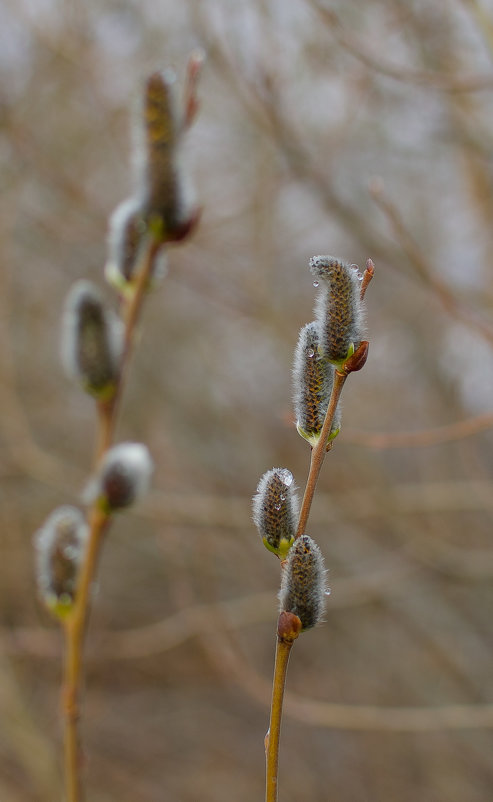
x=359 y=130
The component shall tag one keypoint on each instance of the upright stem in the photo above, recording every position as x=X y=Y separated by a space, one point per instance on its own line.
x=283 y=650
x=319 y=451
x=75 y=627
x=76 y=622
x=108 y=408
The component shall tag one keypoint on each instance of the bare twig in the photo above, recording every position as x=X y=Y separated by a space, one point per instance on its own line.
x=76 y=621
x=437 y=80
x=422 y=438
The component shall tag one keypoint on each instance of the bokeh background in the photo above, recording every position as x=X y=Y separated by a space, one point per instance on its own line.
x=356 y=129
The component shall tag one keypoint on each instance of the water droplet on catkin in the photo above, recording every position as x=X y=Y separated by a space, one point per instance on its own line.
x=316 y=283
x=286 y=477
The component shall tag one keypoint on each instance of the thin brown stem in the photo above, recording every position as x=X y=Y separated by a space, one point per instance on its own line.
x=283 y=649
x=76 y=623
x=108 y=409
x=319 y=451
x=75 y=626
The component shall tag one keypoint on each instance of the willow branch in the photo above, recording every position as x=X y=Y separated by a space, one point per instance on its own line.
x=319 y=451
x=76 y=622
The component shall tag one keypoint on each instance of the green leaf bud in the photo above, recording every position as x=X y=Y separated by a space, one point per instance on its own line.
x=275 y=510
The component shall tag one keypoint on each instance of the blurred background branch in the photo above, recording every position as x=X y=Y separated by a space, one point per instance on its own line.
x=303 y=106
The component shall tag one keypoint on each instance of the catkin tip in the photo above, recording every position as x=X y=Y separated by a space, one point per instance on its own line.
x=339 y=307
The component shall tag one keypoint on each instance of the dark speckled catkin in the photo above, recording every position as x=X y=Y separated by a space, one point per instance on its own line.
x=275 y=510
x=313 y=377
x=303 y=582
x=339 y=307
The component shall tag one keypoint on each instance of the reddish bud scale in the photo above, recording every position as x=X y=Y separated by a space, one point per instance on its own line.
x=358 y=360
x=303 y=582
x=289 y=627
x=339 y=308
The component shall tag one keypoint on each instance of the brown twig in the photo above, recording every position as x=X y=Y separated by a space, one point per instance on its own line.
x=74 y=628
x=428 y=78
x=272 y=739
x=318 y=453
x=76 y=622
x=108 y=410
x=423 y=269
x=423 y=438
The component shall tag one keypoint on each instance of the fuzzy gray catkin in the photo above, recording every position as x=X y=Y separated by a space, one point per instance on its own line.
x=91 y=340
x=313 y=377
x=303 y=587
x=127 y=234
x=275 y=510
x=339 y=307
x=122 y=478
x=162 y=204
x=164 y=190
x=60 y=546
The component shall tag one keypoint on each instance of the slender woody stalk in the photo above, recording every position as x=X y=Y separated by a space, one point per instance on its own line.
x=283 y=649
x=108 y=409
x=75 y=624
x=319 y=451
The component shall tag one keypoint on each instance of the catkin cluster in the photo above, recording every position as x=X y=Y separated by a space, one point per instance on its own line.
x=94 y=338
x=325 y=345
x=162 y=204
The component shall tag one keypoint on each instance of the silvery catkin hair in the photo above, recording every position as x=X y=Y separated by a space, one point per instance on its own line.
x=313 y=377
x=339 y=307
x=122 y=478
x=60 y=546
x=303 y=587
x=91 y=339
x=275 y=510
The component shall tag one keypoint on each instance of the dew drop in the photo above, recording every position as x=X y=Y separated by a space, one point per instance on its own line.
x=359 y=276
x=286 y=477
x=327 y=592
x=310 y=352
x=316 y=283
x=277 y=507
